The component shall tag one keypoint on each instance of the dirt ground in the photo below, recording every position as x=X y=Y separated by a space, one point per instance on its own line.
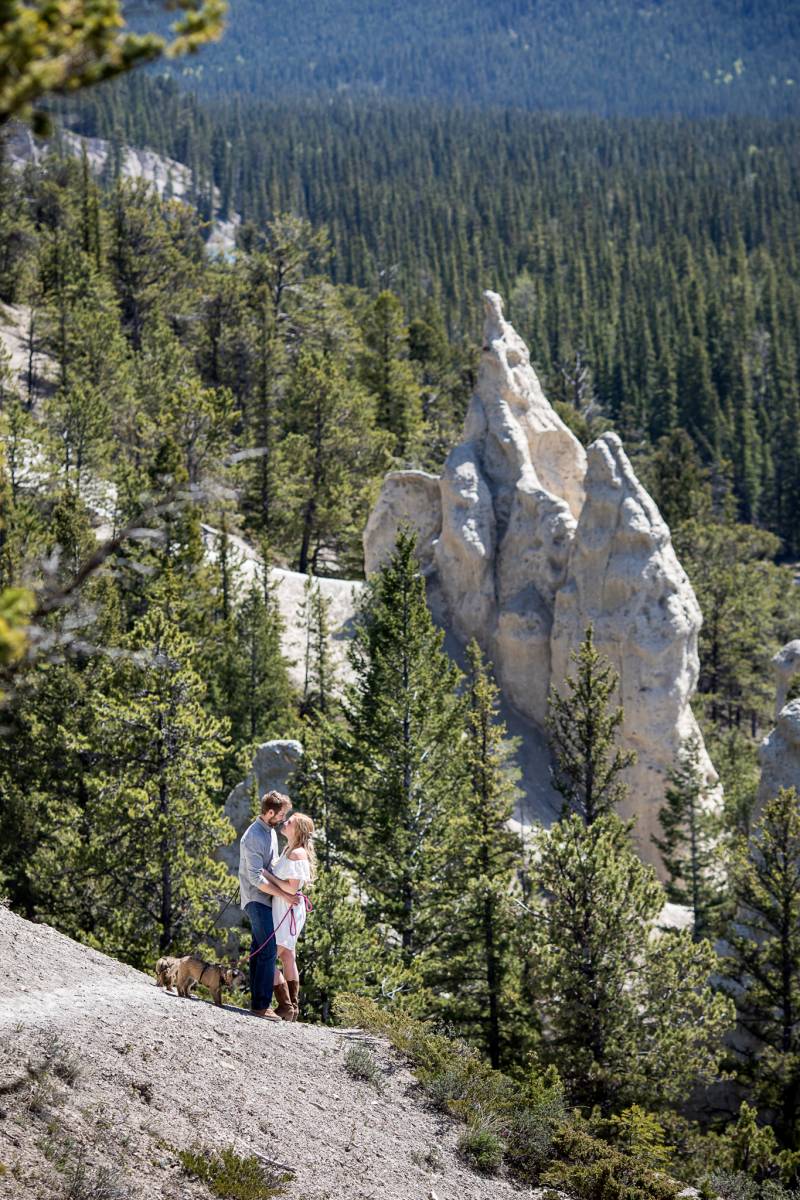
x=125 y=1076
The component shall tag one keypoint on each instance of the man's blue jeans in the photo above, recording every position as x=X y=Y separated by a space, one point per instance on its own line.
x=262 y=967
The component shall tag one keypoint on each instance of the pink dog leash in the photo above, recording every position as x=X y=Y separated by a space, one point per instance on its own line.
x=292 y=924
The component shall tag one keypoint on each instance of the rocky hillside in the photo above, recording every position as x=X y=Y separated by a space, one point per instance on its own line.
x=105 y=1079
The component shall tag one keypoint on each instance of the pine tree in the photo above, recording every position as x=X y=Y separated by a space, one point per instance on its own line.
x=583 y=730
x=132 y=868
x=403 y=758
x=474 y=976
x=317 y=782
x=327 y=460
x=764 y=966
x=261 y=705
x=277 y=270
x=387 y=373
x=445 y=380
x=690 y=842
x=63 y=48
x=677 y=480
x=79 y=421
x=616 y=1001
x=738 y=589
x=319 y=671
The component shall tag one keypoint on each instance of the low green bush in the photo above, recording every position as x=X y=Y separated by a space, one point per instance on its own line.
x=589 y=1169
x=529 y=1134
x=737 y=1185
x=230 y=1176
x=482 y=1149
x=360 y=1062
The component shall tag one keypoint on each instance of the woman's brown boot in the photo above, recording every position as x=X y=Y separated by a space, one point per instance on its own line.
x=294 y=994
x=285 y=1009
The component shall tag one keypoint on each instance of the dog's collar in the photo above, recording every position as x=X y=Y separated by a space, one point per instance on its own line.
x=206 y=966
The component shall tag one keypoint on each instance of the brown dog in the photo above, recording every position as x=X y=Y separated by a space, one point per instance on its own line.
x=165 y=973
x=191 y=970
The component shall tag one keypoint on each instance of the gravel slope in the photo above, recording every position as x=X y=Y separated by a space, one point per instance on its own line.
x=158 y=1074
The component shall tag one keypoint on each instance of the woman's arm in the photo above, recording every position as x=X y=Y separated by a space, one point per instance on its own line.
x=287 y=887
x=272 y=887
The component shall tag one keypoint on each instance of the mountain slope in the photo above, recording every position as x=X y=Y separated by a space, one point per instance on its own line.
x=157 y=1074
x=616 y=56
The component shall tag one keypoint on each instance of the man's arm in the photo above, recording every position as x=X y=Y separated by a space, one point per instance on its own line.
x=251 y=862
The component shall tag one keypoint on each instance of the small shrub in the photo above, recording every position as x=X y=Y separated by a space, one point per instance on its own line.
x=482 y=1149
x=58 y=1060
x=449 y=1086
x=529 y=1140
x=360 y=1062
x=227 y=1175
x=82 y=1182
x=430 y=1158
x=736 y=1185
x=41 y=1095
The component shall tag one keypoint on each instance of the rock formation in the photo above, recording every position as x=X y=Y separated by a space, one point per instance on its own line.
x=779 y=754
x=786 y=666
x=624 y=578
x=525 y=540
x=342 y=596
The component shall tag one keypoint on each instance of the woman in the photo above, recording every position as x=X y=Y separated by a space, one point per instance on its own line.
x=295 y=867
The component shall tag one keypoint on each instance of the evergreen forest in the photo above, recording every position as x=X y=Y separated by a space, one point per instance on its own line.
x=718 y=58
x=651 y=265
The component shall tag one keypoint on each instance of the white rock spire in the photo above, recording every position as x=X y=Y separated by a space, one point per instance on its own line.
x=525 y=541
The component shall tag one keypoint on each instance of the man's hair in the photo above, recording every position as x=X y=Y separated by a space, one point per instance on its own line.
x=273 y=802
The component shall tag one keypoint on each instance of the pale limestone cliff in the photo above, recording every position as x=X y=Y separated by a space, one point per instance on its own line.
x=779 y=754
x=624 y=578
x=786 y=668
x=526 y=541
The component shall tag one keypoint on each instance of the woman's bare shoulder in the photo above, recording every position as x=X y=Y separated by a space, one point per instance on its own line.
x=298 y=854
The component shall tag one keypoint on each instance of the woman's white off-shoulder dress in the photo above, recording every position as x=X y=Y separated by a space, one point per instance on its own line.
x=288 y=928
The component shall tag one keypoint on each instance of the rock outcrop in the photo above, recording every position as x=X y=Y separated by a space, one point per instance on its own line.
x=786 y=667
x=170 y=179
x=624 y=578
x=525 y=540
x=779 y=754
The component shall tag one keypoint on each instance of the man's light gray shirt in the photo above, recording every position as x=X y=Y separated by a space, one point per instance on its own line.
x=258 y=846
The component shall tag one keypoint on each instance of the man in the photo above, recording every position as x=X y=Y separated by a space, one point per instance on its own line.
x=257 y=849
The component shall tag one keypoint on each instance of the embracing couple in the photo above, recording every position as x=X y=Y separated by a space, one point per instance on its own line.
x=270 y=892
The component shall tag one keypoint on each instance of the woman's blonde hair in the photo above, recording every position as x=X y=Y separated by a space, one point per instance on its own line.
x=302 y=834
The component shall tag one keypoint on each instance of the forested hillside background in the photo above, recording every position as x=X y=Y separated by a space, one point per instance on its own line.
x=652 y=265
x=626 y=57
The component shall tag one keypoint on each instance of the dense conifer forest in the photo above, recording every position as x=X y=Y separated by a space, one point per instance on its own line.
x=653 y=266
x=661 y=57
